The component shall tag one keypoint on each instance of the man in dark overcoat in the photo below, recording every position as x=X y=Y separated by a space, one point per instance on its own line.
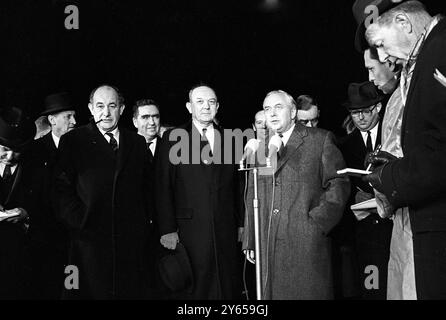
x=198 y=200
x=101 y=194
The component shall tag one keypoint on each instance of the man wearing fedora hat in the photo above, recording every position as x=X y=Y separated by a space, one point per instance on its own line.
x=16 y=131
x=371 y=235
x=406 y=34
x=48 y=237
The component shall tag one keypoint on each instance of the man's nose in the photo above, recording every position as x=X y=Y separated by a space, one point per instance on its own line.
x=361 y=116
x=106 y=111
x=73 y=121
x=151 y=121
x=310 y=124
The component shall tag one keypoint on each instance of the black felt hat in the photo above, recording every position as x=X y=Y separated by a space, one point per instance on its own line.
x=16 y=129
x=175 y=269
x=56 y=103
x=362 y=95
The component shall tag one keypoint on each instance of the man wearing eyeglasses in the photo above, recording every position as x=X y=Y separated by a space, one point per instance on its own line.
x=372 y=234
x=307 y=111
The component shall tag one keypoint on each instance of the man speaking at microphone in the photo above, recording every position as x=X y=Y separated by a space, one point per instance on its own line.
x=309 y=199
x=102 y=195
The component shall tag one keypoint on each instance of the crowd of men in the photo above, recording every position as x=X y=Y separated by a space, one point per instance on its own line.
x=133 y=223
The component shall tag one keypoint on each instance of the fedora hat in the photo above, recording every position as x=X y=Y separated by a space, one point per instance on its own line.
x=359 y=12
x=16 y=129
x=175 y=269
x=362 y=95
x=56 y=103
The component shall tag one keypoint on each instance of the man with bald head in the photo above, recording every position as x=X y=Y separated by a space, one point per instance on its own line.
x=198 y=204
x=102 y=196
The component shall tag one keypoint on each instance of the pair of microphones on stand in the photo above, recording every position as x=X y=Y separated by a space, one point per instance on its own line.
x=253 y=145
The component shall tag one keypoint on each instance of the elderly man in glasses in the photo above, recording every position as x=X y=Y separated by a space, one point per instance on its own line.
x=372 y=234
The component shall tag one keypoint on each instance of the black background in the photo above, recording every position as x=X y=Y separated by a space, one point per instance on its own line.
x=159 y=48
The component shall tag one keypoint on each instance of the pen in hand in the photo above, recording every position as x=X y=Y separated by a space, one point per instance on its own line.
x=377 y=150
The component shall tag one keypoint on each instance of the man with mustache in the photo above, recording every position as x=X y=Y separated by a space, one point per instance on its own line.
x=409 y=36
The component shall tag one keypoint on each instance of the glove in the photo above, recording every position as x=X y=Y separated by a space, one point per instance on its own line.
x=379 y=159
x=374 y=178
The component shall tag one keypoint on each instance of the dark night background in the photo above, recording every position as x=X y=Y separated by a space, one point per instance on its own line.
x=159 y=48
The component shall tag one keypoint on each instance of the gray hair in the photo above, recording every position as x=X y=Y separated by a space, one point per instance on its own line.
x=415 y=10
x=289 y=99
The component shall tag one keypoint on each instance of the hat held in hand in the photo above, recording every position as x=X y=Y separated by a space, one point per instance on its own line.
x=175 y=269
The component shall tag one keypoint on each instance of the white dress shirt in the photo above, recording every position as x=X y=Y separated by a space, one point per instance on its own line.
x=210 y=133
x=286 y=135
x=373 y=136
x=56 y=139
x=2 y=168
x=115 y=133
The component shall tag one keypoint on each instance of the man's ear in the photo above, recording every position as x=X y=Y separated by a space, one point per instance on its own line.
x=403 y=21
x=293 y=113
x=135 y=123
x=189 y=107
x=90 y=107
x=121 y=109
x=379 y=107
x=50 y=119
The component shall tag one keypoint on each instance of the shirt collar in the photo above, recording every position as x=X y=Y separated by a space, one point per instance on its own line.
x=286 y=135
x=200 y=127
x=56 y=139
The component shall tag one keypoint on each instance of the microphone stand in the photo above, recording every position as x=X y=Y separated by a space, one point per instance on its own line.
x=255 y=203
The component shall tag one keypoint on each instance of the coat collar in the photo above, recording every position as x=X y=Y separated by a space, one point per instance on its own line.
x=295 y=141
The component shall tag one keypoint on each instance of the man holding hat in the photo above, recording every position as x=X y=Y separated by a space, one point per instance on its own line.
x=16 y=131
x=48 y=245
x=372 y=234
x=406 y=34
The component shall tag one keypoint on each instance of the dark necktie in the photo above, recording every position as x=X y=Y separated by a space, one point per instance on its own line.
x=7 y=173
x=113 y=143
x=369 y=144
x=205 y=141
x=281 y=151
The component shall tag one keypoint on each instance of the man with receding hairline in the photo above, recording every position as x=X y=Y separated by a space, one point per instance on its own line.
x=102 y=196
x=198 y=205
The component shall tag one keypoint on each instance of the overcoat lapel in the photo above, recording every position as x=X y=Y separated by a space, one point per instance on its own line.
x=295 y=141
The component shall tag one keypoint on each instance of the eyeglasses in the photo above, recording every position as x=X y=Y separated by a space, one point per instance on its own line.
x=365 y=112
x=313 y=122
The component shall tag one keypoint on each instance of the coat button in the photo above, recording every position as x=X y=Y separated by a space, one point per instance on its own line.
x=375 y=222
x=277 y=183
x=276 y=211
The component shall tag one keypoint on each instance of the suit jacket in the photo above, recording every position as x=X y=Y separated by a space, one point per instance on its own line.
x=102 y=197
x=202 y=202
x=419 y=179
x=309 y=198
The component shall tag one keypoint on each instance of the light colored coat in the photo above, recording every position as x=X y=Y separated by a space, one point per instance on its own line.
x=309 y=200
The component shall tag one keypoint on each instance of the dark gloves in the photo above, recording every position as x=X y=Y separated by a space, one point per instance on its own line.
x=379 y=159
x=374 y=178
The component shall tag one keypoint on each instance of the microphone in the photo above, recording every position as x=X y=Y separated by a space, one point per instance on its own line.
x=275 y=143
x=251 y=147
